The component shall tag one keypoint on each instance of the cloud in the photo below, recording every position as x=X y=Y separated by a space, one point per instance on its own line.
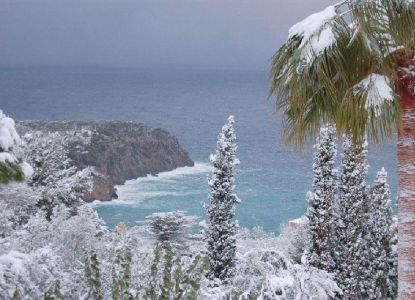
x=228 y=33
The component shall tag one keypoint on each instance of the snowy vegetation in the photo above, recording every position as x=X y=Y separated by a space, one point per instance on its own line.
x=350 y=227
x=12 y=165
x=221 y=229
x=321 y=199
x=55 y=177
x=54 y=246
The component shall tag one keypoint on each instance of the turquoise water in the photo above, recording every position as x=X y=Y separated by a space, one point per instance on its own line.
x=272 y=179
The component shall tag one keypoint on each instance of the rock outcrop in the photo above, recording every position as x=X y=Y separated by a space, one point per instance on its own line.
x=117 y=150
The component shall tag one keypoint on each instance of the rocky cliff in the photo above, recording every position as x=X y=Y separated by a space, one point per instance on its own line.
x=117 y=150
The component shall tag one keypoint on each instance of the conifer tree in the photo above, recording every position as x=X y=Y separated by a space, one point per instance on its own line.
x=321 y=201
x=378 y=240
x=93 y=277
x=350 y=240
x=16 y=295
x=221 y=228
x=393 y=261
x=171 y=278
x=153 y=289
x=54 y=293
x=121 y=276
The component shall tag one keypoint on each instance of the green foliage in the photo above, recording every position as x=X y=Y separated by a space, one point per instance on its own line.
x=93 y=277
x=54 y=293
x=175 y=282
x=151 y=291
x=189 y=281
x=121 y=276
x=16 y=295
x=167 y=276
x=10 y=172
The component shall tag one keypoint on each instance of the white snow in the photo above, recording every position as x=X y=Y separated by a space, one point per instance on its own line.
x=27 y=169
x=316 y=32
x=278 y=283
x=406 y=142
x=7 y=157
x=312 y=24
x=296 y=223
x=299 y=221
x=14 y=261
x=10 y=143
x=325 y=40
x=378 y=91
x=8 y=134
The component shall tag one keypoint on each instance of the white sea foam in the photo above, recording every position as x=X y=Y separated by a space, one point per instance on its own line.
x=97 y=203
x=198 y=168
x=173 y=183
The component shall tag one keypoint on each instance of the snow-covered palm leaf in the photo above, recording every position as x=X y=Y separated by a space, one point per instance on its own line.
x=314 y=74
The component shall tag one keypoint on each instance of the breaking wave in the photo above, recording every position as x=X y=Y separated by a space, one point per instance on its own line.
x=180 y=182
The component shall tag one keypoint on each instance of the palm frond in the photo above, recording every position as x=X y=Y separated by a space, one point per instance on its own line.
x=311 y=90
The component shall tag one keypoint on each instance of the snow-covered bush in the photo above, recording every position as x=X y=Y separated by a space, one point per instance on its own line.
x=294 y=241
x=54 y=173
x=68 y=237
x=12 y=166
x=264 y=271
x=124 y=260
x=32 y=273
x=48 y=154
x=170 y=227
x=17 y=205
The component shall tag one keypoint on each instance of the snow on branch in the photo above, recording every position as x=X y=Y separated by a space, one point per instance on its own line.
x=11 y=163
x=377 y=89
x=170 y=227
x=316 y=33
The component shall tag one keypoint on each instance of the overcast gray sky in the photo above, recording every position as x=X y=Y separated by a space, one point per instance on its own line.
x=215 y=33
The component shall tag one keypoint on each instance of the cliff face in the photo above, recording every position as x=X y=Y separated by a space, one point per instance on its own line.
x=117 y=150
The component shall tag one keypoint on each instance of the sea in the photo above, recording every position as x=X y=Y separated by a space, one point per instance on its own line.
x=193 y=103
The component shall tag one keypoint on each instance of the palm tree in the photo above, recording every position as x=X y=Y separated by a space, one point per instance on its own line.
x=353 y=64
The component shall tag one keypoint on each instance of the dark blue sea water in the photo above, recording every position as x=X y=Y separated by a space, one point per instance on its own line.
x=272 y=179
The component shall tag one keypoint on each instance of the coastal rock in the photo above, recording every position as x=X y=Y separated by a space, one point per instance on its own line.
x=117 y=150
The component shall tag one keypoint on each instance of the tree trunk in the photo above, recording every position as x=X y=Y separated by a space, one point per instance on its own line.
x=406 y=172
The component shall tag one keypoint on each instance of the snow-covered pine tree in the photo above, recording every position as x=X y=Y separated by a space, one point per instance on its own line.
x=393 y=261
x=16 y=295
x=378 y=247
x=321 y=201
x=173 y=276
x=121 y=275
x=221 y=228
x=349 y=225
x=93 y=277
x=54 y=292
